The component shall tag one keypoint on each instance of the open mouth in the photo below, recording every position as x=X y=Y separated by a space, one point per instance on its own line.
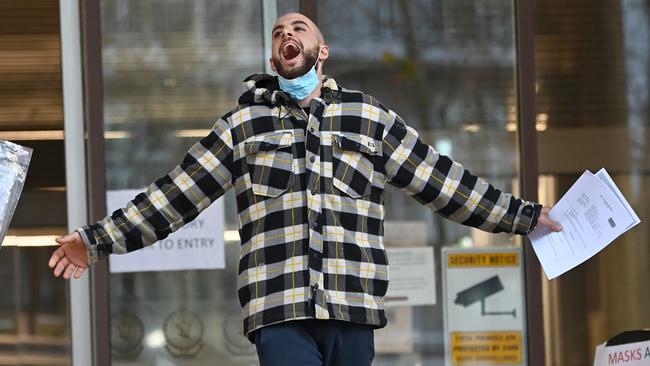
x=290 y=51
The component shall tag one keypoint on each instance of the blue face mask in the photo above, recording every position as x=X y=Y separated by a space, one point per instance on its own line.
x=301 y=86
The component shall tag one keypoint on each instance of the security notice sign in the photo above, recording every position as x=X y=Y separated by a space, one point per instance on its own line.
x=484 y=306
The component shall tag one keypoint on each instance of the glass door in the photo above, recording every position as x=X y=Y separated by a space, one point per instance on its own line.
x=171 y=67
x=448 y=69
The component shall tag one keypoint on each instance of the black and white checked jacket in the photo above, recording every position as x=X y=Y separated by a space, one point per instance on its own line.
x=309 y=199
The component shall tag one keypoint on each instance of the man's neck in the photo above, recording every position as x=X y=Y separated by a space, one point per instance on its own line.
x=315 y=94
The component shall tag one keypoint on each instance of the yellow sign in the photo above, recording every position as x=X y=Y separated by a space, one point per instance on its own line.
x=504 y=259
x=481 y=348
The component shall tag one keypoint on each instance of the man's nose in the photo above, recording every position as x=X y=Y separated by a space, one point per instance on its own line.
x=287 y=34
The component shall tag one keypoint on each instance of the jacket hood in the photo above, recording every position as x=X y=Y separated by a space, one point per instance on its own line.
x=265 y=89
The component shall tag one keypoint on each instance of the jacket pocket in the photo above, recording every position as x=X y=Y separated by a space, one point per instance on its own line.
x=270 y=163
x=353 y=164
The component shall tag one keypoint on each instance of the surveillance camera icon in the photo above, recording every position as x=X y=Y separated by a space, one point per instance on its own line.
x=480 y=292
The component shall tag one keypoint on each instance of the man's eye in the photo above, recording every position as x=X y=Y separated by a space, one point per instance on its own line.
x=299 y=28
x=276 y=34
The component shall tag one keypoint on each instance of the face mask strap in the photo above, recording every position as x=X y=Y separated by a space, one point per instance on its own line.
x=317 y=58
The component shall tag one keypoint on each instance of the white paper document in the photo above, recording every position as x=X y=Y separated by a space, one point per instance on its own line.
x=197 y=245
x=593 y=213
x=412 y=277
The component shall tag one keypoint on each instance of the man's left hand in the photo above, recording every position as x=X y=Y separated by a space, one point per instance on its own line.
x=545 y=220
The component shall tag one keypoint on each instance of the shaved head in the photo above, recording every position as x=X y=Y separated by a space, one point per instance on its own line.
x=306 y=19
x=297 y=44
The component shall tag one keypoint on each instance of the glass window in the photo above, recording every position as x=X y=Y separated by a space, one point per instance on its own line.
x=593 y=69
x=287 y=6
x=171 y=68
x=447 y=68
x=34 y=321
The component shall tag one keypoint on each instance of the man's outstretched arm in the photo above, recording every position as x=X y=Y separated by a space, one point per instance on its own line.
x=444 y=185
x=204 y=175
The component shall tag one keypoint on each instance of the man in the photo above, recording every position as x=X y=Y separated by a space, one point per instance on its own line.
x=309 y=162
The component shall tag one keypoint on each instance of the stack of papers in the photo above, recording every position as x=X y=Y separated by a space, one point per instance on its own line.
x=593 y=213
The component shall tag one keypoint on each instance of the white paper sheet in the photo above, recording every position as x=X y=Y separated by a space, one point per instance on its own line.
x=593 y=213
x=604 y=176
x=197 y=245
x=412 y=277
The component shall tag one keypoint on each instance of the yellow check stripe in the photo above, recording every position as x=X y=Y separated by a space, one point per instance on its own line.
x=272 y=301
x=355 y=269
x=270 y=156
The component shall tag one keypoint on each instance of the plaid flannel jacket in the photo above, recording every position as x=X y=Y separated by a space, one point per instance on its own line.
x=309 y=192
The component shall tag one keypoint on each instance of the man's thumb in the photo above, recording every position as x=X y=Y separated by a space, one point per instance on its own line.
x=65 y=239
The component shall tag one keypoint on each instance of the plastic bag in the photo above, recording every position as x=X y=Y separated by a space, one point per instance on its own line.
x=14 y=161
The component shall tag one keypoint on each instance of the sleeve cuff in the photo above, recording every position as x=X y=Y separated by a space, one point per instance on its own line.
x=88 y=237
x=527 y=218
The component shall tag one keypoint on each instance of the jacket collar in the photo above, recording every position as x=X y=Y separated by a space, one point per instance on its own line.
x=264 y=89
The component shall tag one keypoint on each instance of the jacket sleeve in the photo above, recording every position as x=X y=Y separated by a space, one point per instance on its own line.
x=444 y=185
x=173 y=200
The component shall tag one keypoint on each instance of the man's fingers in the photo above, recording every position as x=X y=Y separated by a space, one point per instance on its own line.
x=79 y=272
x=61 y=266
x=54 y=259
x=555 y=226
x=68 y=271
x=546 y=220
x=60 y=260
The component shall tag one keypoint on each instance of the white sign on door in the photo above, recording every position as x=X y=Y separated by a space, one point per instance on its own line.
x=412 y=277
x=197 y=245
x=630 y=354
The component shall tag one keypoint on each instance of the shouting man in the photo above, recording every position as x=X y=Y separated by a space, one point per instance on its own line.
x=309 y=162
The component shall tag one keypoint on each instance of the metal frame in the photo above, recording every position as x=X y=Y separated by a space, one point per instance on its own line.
x=269 y=15
x=93 y=77
x=525 y=46
x=525 y=72
x=71 y=64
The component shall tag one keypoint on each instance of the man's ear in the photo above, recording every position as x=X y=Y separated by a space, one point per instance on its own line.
x=324 y=52
x=272 y=64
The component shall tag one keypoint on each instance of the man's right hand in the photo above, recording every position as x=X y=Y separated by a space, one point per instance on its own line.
x=70 y=258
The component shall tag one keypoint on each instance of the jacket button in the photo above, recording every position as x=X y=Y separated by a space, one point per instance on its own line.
x=312 y=159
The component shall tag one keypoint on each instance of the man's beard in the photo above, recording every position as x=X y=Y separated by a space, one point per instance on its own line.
x=310 y=57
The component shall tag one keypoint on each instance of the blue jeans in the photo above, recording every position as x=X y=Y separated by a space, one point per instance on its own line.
x=315 y=343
